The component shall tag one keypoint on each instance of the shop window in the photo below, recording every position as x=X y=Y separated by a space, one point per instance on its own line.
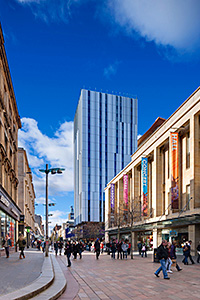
x=188 y=150
x=3 y=227
x=188 y=197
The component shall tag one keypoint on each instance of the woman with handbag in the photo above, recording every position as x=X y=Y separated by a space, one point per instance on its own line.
x=173 y=255
x=22 y=243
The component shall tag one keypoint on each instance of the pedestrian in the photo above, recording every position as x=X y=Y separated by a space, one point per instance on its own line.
x=7 y=245
x=124 y=249
x=80 y=249
x=97 y=248
x=173 y=255
x=113 y=249
x=22 y=243
x=43 y=246
x=169 y=261
x=140 y=247
x=190 y=257
x=129 y=248
x=75 y=250
x=185 y=254
x=144 y=250
x=60 y=246
x=119 y=249
x=68 y=251
x=101 y=247
x=198 y=253
x=162 y=254
x=89 y=245
x=56 y=247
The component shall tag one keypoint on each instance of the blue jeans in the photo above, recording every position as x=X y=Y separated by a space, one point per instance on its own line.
x=163 y=268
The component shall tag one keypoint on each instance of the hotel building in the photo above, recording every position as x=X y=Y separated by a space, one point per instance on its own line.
x=105 y=136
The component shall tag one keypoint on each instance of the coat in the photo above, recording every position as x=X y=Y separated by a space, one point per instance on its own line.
x=22 y=244
x=162 y=252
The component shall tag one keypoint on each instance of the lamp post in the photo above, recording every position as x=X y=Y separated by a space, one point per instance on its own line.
x=47 y=171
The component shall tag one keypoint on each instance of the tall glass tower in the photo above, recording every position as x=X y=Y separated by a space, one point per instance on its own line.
x=105 y=136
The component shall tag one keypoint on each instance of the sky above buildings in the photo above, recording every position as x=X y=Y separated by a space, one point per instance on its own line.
x=136 y=48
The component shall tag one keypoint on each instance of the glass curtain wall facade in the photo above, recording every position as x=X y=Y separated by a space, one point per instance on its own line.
x=105 y=137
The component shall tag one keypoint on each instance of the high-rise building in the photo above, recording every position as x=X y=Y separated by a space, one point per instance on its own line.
x=105 y=136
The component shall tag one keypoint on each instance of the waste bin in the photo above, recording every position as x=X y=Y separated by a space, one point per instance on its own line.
x=155 y=259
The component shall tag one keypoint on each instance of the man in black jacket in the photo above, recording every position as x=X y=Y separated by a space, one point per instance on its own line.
x=162 y=254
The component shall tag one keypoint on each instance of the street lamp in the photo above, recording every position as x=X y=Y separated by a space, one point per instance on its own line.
x=47 y=171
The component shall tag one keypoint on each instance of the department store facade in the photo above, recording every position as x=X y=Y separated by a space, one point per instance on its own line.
x=157 y=195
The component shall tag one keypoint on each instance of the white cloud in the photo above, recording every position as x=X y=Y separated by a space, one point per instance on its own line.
x=56 y=151
x=50 y=10
x=111 y=69
x=168 y=23
x=57 y=218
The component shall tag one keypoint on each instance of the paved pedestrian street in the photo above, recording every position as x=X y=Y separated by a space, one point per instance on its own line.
x=16 y=273
x=127 y=279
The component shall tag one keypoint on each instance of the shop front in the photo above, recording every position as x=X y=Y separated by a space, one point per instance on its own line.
x=9 y=217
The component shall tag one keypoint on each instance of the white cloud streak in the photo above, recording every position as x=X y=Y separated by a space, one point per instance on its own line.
x=168 y=23
x=56 y=151
x=111 y=69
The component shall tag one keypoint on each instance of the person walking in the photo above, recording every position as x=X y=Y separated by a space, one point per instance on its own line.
x=75 y=250
x=68 y=251
x=169 y=261
x=101 y=247
x=190 y=256
x=7 y=245
x=113 y=249
x=124 y=249
x=97 y=248
x=198 y=253
x=185 y=254
x=22 y=243
x=144 y=250
x=119 y=250
x=129 y=248
x=56 y=247
x=80 y=249
x=162 y=254
x=139 y=247
x=173 y=255
x=60 y=246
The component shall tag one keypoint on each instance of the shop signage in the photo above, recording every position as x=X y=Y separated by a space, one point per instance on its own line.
x=14 y=212
x=4 y=200
x=173 y=233
x=125 y=182
x=174 y=168
x=144 y=186
x=112 y=197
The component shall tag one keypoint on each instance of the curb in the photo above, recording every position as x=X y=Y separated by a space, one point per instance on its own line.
x=39 y=285
x=59 y=285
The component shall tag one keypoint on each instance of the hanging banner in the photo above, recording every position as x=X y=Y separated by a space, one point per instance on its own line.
x=112 y=197
x=125 y=182
x=144 y=186
x=174 y=168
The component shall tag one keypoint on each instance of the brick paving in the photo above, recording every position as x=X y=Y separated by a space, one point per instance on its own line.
x=16 y=273
x=127 y=279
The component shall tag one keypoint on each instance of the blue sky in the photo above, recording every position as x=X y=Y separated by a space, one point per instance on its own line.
x=144 y=48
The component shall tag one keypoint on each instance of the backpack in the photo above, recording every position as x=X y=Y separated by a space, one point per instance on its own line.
x=24 y=242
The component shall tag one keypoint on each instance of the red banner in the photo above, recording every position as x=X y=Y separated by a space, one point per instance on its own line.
x=174 y=168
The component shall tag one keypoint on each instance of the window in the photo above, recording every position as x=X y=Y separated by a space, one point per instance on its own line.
x=188 y=150
x=188 y=197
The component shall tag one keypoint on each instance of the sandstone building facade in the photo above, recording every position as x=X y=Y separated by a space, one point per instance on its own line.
x=170 y=207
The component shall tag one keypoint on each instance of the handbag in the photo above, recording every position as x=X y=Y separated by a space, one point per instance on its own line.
x=173 y=262
x=24 y=242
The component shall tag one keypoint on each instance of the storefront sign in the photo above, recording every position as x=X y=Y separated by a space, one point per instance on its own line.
x=174 y=168
x=4 y=200
x=112 y=197
x=14 y=212
x=125 y=182
x=144 y=186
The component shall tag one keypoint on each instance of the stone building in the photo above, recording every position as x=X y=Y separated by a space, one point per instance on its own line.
x=157 y=195
x=9 y=125
x=26 y=196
